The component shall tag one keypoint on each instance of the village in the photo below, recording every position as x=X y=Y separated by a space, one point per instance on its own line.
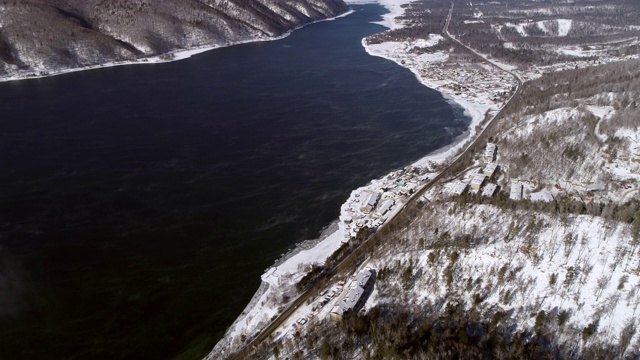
x=371 y=206
x=480 y=83
x=487 y=179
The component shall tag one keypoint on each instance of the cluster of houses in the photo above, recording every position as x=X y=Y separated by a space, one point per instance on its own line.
x=469 y=82
x=352 y=299
x=478 y=180
x=371 y=206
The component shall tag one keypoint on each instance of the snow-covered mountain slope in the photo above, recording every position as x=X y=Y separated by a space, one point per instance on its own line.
x=37 y=37
x=578 y=127
x=505 y=279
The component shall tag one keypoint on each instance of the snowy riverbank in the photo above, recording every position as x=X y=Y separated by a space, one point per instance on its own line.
x=476 y=111
x=159 y=59
x=279 y=281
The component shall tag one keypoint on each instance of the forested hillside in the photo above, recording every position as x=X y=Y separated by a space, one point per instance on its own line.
x=41 y=36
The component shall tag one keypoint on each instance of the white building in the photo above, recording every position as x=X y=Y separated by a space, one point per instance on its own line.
x=477 y=181
x=458 y=188
x=371 y=202
x=490 y=170
x=489 y=190
x=353 y=299
x=490 y=152
x=386 y=206
x=516 y=191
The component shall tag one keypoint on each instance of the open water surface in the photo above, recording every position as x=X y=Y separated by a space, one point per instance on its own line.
x=139 y=205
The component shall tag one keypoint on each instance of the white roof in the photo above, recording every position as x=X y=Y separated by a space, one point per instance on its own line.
x=363 y=277
x=478 y=179
x=491 y=167
x=458 y=187
x=489 y=190
x=516 y=191
x=373 y=199
x=490 y=150
x=543 y=195
x=385 y=207
x=350 y=301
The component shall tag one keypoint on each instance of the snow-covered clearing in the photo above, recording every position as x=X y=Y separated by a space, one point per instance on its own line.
x=578 y=51
x=431 y=41
x=564 y=26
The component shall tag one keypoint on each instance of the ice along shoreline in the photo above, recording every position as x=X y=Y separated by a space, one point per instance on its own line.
x=279 y=281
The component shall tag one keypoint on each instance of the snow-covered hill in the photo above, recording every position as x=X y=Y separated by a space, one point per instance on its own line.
x=50 y=36
x=517 y=262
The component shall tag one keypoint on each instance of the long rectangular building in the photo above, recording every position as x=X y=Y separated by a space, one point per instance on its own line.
x=490 y=170
x=477 y=181
x=386 y=206
x=489 y=190
x=371 y=202
x=516 y=191
x=353 y=300
x=458 y=188
x=490 y=152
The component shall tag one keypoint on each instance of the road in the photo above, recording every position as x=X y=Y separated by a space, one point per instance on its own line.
x=413 y=200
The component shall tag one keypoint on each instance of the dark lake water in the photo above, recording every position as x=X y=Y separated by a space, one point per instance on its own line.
x=139 y=205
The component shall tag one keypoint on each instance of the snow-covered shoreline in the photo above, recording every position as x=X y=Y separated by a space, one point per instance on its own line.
x=158 y=59
x=475 y=112
x=303 y=259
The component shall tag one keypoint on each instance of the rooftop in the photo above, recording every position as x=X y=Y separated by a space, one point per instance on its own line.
x=478 y=179
x=516 y=191
x=458 y=188
x=491 y=167
x=489 y=190
x=363 y=277
x=350 y=301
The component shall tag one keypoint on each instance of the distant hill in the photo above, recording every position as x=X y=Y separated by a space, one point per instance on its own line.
x=52 y=35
